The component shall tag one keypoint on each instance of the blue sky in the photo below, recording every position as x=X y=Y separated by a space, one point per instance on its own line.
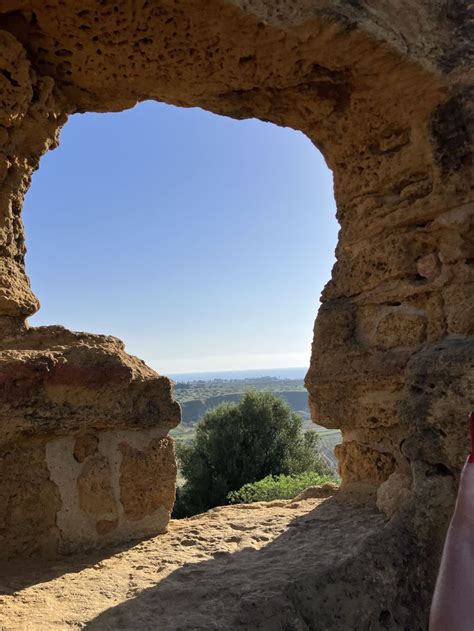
x=201 y=241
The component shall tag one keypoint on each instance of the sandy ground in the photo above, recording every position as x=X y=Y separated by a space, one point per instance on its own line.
x=208 y=572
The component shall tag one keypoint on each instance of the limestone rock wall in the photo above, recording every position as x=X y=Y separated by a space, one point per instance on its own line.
x=384 y=90
x=85 y=459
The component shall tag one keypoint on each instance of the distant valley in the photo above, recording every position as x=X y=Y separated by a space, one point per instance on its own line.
x=199 y=396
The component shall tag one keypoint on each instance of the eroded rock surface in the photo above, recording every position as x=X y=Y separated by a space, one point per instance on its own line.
x=384 y=90
x=277 y=565
x=83 y=442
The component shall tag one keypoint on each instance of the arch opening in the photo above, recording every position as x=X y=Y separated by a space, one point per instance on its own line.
x=198 y=260
x=148 y=214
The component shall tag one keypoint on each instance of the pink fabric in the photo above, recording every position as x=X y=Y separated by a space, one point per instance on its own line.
x=471 y=422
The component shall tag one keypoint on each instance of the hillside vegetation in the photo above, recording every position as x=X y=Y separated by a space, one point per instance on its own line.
x=198 y=397
x=278 y=487
x=241 y=443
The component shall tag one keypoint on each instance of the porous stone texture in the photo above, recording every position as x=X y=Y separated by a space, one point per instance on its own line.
x=278 y=565
x=261 y=566
x=83 y=439
x=384 y=90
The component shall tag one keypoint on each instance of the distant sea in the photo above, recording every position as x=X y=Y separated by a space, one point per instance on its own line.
x=281 y=373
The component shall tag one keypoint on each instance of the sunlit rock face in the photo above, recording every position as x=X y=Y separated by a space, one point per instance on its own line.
x=383 y=92
x=84 y=454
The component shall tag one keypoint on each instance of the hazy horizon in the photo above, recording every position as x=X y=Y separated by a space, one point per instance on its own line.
x=201 y=241
x=251 y=373
x=226 y=363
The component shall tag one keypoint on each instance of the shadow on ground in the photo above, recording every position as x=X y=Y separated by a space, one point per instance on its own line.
x=17 y=575
x=326 y=571
x=315 y=565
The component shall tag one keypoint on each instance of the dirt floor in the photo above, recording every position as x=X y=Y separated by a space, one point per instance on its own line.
x=229 y=568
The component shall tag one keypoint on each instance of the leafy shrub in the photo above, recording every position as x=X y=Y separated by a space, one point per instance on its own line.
x=277 y=487
x=240 y=443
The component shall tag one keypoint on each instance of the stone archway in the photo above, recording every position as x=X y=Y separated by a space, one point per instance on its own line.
x=383 y=93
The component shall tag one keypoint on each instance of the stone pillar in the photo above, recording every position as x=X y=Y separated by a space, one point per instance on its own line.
x=393 y=340
x=85 y=456
x=30 y=117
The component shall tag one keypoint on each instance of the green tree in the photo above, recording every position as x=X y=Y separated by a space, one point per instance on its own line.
x=240 y=443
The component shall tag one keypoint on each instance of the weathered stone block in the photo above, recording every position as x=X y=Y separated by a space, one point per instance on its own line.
x=359 y=463
x=85 y=445
x=85 y=459
x=29 y=501
x=147 y=478
x=399 y=329
x=94 y=488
